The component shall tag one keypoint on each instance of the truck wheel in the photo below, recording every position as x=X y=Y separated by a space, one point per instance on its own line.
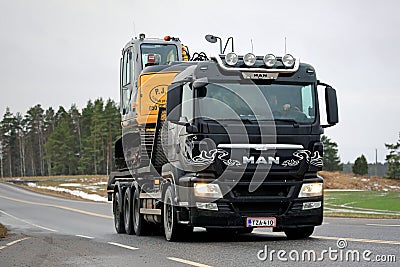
x=140 y=226
x=299 y=233
x=118 y=214
x=128 y=215
x=173 y=231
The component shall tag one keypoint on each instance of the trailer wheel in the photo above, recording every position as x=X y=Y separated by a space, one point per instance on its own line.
x=128 y=214
x=118 y=214
x=299 y=233
x=140 y=226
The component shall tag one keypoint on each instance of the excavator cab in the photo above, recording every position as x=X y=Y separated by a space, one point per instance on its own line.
x=145 y=74
x=138 y=54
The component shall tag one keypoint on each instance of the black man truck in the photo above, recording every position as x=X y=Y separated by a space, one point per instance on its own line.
x=229 y=143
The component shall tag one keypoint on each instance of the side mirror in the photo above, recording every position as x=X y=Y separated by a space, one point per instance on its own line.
x=183 y=121
x=331 y=106
x=199 y=83
x=174 y=100
x=189 y=128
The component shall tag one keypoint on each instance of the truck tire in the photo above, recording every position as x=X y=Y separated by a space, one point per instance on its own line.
x=173 y=231
x=118 y=213
x=140 y=226
x=128 y=214
x=299 y=233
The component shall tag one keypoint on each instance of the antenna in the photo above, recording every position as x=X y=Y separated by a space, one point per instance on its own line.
x=134 y=29
x=285 y=45
x=251 y=41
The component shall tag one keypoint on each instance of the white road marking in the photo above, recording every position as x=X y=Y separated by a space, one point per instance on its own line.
x=385 y=225
x=85 y=236
x=14 y=242
x=22 y=220
x=188 y=262
x=122 y=246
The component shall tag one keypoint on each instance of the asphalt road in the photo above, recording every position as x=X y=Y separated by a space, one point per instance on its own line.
x=50 y=231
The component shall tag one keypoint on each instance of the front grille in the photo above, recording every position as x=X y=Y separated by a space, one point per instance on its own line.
x=261 y=209
x=265 y=190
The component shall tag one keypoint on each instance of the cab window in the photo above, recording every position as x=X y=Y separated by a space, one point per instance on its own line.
x=158 y=54
x=127 y=69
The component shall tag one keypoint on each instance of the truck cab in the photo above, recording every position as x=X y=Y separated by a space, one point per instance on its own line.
x=248 y=137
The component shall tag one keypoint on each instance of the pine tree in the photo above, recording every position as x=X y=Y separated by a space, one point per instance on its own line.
x=360 y=166
x=393 y=159
x=331 y=157
x=9 y=143
x=49 y=126
x=35 y=123
x=112 y=116
x=60 y=146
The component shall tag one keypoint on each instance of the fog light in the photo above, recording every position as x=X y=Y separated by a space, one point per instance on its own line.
x=207 y=206
x=269 y=60
x=231 y=59
x=311 y=190
x=311 y=205
x=288 y=60
x=249 y=59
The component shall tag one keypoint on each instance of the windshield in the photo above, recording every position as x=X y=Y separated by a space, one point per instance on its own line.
x=158 y=54
x=279 y=102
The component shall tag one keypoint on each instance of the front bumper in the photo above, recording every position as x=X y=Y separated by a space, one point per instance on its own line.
x=228 y=216
x=272 y=199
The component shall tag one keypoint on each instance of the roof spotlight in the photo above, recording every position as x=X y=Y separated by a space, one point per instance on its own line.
x=269 y=60
x=231 y=59
x=288 y=60
x=249 y=59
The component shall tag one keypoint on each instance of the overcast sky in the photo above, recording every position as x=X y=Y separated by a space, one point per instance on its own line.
x=59 y=52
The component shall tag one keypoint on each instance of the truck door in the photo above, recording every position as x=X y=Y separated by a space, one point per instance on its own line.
x=128 y=92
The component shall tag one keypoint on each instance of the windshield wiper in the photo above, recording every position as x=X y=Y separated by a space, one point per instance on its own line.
x=295 y=123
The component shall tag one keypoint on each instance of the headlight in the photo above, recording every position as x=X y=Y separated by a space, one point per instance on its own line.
x=288 y=60
x=207 y=190
x=269 y=60
x=311 y=190
x=231 y=59
x=249 y=59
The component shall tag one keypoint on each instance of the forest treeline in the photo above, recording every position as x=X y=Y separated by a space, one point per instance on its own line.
x=63 y=142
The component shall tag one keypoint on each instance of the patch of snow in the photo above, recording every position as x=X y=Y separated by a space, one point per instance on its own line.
x=100 y=183
x=364 y=180
x=394 y=187
x=90 y=187
x=71 y=185
x=78 y=193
